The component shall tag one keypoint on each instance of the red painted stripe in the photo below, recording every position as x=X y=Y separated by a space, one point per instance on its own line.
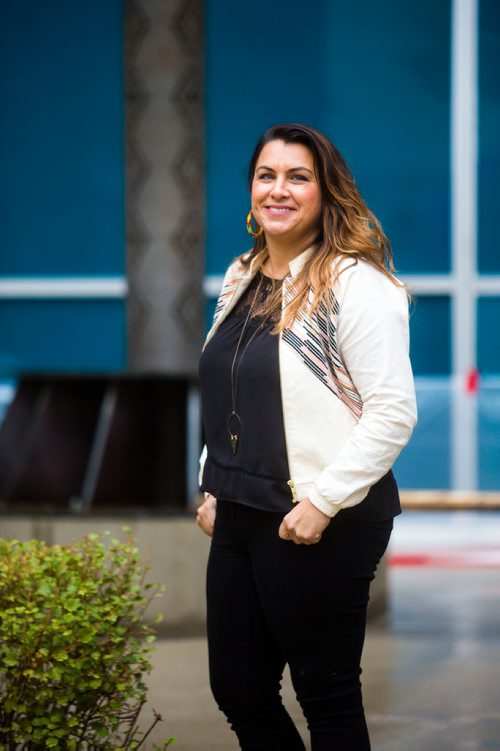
x=409 y=560
x=453 y=559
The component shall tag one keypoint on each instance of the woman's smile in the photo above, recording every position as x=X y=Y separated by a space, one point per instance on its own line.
x=279 y=210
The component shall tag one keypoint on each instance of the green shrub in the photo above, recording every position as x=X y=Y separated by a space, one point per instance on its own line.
x=74 y=647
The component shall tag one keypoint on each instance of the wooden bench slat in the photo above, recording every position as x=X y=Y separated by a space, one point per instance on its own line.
x=449 y=500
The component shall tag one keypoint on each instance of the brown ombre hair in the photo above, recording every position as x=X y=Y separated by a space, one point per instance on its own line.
x=347 y=226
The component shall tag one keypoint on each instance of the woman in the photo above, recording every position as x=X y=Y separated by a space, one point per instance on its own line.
x=307 y=400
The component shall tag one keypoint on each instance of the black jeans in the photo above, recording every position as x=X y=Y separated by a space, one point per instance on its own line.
x=271 y=602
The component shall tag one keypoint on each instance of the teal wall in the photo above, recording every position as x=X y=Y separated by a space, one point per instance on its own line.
x=263 y=65
x=62 y=179
x=488 y=347
x=375 y=78
x=85 y=336
x=489 y=122
x=387 y=107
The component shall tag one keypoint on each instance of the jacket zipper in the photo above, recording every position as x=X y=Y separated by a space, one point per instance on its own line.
x=291 y=485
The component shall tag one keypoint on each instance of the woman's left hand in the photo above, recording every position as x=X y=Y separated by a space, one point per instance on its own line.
x=304 y=525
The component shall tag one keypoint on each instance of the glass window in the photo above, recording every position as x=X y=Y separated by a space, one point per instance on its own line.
x=425 y=462
x=430 y=335
x=489 y=119
x=489 y=431
x=488 y=335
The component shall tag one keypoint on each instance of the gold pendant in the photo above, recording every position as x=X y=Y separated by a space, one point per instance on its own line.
x=233 y=439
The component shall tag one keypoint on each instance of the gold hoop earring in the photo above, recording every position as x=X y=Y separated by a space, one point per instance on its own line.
x=249 y=226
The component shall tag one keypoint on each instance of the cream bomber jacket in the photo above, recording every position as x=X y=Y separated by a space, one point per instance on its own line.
x=346 y=382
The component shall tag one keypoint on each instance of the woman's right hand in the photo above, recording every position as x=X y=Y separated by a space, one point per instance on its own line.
x=205 y=518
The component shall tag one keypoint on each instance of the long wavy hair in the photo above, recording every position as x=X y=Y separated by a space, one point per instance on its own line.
x=347 y=227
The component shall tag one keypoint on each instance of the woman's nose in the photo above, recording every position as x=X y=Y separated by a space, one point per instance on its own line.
x=280 y=187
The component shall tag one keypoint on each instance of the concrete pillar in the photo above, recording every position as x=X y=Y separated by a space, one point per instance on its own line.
x=165 y=183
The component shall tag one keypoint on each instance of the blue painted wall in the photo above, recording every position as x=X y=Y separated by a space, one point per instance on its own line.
x=489 y=123
x=87 y=336
x=488 y=343
x=375 y=78
x=387 y=106
x=263 y=65
x=62 y=177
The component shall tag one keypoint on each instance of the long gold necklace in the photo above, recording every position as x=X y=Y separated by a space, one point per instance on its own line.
x=234 y=420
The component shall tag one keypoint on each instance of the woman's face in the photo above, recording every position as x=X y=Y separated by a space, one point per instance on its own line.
x=286 y=196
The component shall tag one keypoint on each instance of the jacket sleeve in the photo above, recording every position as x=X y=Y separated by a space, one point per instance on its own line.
x=373 y=342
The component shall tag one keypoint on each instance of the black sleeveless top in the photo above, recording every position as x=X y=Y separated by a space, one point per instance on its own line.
x=257 y=473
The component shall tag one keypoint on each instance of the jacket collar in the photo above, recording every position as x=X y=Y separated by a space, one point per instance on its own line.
x=296 y=264
x=242 y=282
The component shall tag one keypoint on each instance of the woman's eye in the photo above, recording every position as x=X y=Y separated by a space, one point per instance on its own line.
x=267 y=176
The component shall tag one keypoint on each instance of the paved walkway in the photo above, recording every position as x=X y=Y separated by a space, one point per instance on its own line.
x=431 y=672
